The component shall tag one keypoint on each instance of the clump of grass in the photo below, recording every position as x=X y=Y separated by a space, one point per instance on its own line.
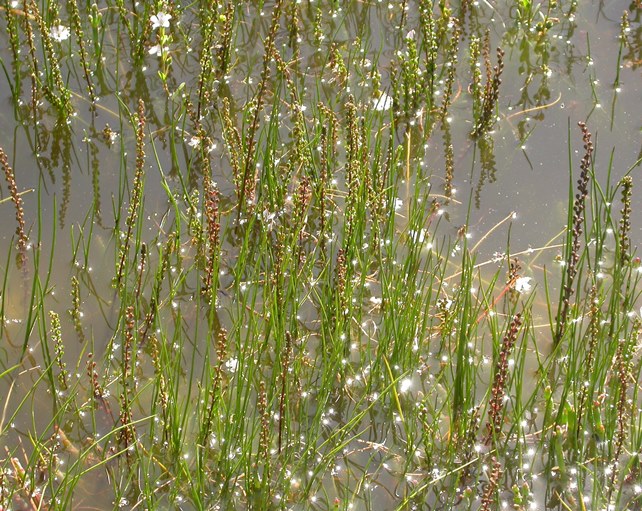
x=489 y=497
x=212 y=215
x=234 y=146
x=625 y=221
x=484 y=123
x=476 y=86
x=11 y=17
x=76 y=25
x=248 y=180
x=590 y=357
x=142 y=264
x=299 y=320
x=74 y=312
x=283 y=397
x=451 y=67
x=98 y=391
x=224 y=47
x=449 y=161
x=54 y=88
x=294 y=33
x=623 y=369
x=163 y=41
x=263 y=452
x=33 y=61
x=127 y=434
x=574 y=237
x=410 y=77
x=500 y=379
x=59 y=349
x=216 y=385
x=22 y=241
x=338 y=65
x=136 y=194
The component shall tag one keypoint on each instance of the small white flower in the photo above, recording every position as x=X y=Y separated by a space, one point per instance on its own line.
x=232 y=365
x=446 y=303
x=375 y=300
x=160 y=20
x=398 y=204
x=194 y=142
x=410 y=35
x=269 y=219
x=522 y=285
x=383 y=102
x=59 y=33
x=498 y=257
x=157 y=49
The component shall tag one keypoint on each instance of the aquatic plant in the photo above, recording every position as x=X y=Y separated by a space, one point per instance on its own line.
x=137 y=191
x=319 y=256
x=575 y=236
x=22 y=242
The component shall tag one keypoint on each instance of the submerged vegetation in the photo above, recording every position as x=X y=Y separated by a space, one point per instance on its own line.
x=256 y=262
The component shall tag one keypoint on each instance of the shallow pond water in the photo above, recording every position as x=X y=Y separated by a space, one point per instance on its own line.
x=503 y=195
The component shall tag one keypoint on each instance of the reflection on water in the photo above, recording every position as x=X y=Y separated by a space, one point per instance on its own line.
x=508 y=184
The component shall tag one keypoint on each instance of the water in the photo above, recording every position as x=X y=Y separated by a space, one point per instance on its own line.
x=77 y=174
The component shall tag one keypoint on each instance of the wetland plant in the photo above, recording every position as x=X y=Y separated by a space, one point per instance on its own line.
x=288 y=290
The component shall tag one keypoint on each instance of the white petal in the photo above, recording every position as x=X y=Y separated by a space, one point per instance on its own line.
x=522 y=285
